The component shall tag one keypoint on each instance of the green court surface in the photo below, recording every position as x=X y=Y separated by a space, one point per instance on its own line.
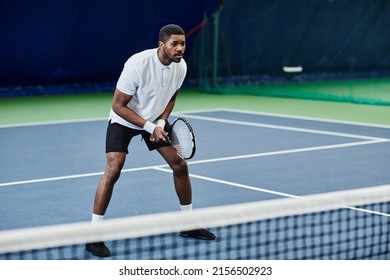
x=18 y=110
x=367 y=91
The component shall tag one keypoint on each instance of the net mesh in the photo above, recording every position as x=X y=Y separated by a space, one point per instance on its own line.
x=342 y=225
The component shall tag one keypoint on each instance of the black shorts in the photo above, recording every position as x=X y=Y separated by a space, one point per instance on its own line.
x=118 y=138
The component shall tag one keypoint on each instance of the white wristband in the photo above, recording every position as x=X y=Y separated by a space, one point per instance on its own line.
x=149 y=127
x=161 y=123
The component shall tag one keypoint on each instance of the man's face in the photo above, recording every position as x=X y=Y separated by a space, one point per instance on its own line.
x=174 y=48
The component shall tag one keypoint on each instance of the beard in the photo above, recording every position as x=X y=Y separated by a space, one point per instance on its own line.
x=173 y=58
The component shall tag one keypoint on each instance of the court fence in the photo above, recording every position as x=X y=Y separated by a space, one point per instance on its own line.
x=329 y=50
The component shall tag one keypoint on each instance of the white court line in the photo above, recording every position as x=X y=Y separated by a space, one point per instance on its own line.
x=303 y=118
x=282 y=152
x=281 y=127
x=317 y=148
x=53 y=122
x=223 y=182
x=243 y=186
x=177 y=113
x=59 y=178
x=373 y=140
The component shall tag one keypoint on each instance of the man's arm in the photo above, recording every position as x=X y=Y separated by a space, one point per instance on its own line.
x=168 y=110
x=119 y=105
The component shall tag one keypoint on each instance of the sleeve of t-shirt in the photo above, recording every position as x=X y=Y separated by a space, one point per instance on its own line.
x=128 y=80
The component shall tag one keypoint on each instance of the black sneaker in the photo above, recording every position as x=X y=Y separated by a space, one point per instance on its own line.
x=199 y=234
x=98 y=249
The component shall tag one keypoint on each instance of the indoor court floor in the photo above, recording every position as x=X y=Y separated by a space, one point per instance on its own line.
x=49 y=171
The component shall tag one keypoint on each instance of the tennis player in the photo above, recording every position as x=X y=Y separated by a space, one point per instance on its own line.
x=144 y=98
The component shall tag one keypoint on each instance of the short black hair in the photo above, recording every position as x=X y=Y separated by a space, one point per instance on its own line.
x=168 y=30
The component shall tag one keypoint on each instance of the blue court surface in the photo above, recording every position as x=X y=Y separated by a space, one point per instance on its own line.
x=49 y=172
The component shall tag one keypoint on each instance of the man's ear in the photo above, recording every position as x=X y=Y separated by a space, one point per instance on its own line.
x=161 y=44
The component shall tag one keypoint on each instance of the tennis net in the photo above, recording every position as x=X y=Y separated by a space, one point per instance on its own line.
x=352 y=224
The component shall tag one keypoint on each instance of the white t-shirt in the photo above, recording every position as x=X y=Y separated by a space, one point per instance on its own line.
x=151 y=83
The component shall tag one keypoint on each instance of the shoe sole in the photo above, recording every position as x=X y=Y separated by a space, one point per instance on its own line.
x=196 y=236
x=97 y=254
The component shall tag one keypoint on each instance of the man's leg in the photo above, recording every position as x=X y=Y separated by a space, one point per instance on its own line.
x=115 y=162
x=181 y=176
x=182 y=182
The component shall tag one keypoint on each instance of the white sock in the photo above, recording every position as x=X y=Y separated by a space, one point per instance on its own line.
x=186 y=208
x=97 y=218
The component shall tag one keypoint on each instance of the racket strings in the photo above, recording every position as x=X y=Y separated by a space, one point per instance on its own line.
x=181 y=139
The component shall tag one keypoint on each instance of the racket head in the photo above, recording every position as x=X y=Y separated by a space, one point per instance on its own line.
x=182 y=138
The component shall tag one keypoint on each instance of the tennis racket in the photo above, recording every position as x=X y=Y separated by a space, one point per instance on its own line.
x=182 y=138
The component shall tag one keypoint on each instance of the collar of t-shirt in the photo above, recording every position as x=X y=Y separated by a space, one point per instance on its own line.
x=164 y=69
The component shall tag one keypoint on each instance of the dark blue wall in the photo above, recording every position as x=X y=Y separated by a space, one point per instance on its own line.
x=53 y=42
x=78 y=42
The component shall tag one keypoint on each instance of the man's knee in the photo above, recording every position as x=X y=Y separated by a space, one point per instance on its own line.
x=112 y=174
x=114 y=166
x=180 y=168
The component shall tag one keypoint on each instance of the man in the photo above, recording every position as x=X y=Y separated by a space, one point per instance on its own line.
x=143 y=100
